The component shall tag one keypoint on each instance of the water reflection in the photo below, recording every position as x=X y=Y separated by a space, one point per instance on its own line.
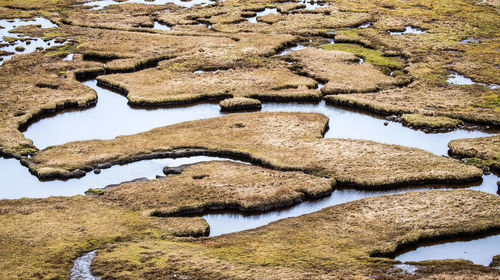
x=267 y=11
x=16 y=44
x=109 y=118
x=478 y=250
x=221 y=223
x=458 y=79
x=354 y=124
x=17 y=182
x=408 y=30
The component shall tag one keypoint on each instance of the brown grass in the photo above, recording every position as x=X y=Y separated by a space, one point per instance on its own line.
x=290 y=141
x=341 y=71
x=463 y=103
x=329 y=244
x=297 y=24
x=219 y=185
x=41 y=237
x=157 y=86
x=484 y=149
x=240 y=103
x=34 y=84
x=423 y=121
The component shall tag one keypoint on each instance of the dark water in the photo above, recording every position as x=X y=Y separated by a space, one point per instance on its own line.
x=479 y=251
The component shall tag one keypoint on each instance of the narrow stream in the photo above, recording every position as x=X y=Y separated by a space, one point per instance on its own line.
x=408 y=30
x=458 y=79
x=81 y=267
x=267 y=11
x=112 y=117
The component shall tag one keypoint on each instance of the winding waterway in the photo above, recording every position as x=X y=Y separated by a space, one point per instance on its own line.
x=112 y=117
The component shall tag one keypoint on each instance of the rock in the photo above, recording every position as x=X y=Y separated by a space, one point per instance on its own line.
x=97 y=171
x=486 y=170
x=386 y=123
x=19 y=49
x=172 y=170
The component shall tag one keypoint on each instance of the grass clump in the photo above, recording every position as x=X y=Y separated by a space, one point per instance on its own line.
x=482 y=151
x=341 y=70
x=164 y=86
x=219 y=185
x=371 y=56
x=240 y=103
x=423 y=121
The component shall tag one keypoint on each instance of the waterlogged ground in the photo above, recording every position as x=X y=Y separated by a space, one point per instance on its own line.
x=398 y=74
x=12 y=43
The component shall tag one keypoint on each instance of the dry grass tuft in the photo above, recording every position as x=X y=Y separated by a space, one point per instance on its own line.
x=219 y=185
x=341 y=71
x=164 y=86
x=482 y=151
x=240 y=103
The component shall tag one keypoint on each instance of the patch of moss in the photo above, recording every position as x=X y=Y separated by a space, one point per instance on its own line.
x=434 y=122
x=371 y=56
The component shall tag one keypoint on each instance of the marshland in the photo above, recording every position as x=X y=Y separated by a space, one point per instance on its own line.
x=249 y=139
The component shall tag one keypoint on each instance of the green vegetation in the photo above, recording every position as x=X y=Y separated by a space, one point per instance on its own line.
x=371 y=56
x=423 y=121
